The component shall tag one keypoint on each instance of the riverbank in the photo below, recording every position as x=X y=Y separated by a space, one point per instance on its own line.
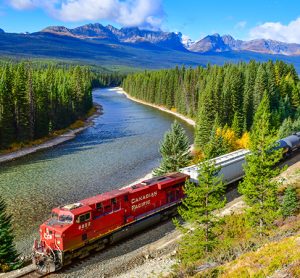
x=184 y=118
x=69 y=134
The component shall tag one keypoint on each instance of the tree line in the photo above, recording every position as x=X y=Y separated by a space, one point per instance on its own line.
x=39 y=98
x=221 y=97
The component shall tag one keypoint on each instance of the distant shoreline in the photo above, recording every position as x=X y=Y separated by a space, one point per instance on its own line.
x=67 y=136
x=184 y=118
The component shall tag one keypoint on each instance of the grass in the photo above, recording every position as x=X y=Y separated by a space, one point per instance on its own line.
x=265 y=261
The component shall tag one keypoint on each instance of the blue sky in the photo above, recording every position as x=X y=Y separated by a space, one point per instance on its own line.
x=273 y=19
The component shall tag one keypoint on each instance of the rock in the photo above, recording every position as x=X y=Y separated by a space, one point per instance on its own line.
x=205 y=266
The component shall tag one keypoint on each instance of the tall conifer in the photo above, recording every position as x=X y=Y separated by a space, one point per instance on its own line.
x=174 y=150
x=8 y=253
x=198 y=210
x=258 y=188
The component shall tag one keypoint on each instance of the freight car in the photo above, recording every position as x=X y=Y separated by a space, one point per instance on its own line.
x=231 y=167
x=289 y=144
x=231 y=164
x=76 y=229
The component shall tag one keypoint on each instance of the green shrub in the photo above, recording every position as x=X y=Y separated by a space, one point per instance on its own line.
x=290 y=202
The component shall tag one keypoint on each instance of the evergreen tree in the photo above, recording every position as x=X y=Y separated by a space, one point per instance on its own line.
x=286 y=128
x=237 y=124
x=8 y=253
x=198 y=211
x=258 y=188
x=260 y=86
x=174 y=150
x=206 y=116
x=217 y=144
x=248 y=95
x=296 y=125
x=290 y=202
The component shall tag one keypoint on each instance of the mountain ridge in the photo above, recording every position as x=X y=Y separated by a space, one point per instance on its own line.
x=126 y=48
x=124 y=35
x=217 y=43
x=210 y=43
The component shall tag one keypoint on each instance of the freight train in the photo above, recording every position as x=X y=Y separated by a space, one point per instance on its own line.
x=75 y=230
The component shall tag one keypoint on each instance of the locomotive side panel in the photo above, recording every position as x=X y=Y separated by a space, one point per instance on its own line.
x=143 y=200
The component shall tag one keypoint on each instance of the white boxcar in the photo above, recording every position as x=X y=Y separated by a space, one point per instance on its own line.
x=231 y=166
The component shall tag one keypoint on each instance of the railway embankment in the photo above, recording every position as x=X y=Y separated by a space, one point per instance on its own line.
x=68 y=135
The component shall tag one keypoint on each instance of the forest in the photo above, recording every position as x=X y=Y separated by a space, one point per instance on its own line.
x=38 y=98
x=224 y=98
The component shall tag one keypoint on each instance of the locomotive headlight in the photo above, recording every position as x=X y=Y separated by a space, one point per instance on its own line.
x=58 y=242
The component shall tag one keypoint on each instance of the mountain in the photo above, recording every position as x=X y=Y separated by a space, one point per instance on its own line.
x=171 y=40
x=213 y=43
x=131 y=35
x=135 y=48
x=216 y=43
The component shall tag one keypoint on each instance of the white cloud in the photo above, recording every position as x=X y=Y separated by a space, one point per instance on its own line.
x=278 y=31
x=31 y=4
x=144 y=13
x=240 y=25
x=22 y=4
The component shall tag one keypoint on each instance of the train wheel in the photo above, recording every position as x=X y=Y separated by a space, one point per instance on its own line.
x=45 y=266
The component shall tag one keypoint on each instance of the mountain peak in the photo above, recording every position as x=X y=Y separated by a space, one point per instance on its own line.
x=210 y=43
x=228 y=37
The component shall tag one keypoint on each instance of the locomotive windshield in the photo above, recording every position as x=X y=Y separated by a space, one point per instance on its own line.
x=62 y=218
x=54 y=216
x=65 y=218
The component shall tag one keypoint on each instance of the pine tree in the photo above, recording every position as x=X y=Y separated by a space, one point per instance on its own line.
x=174 y=150
x=206 y=116
x=290 y=202
x=217 y=144
x=237 y=124
x=260 y=86
x=8 y=253
x=258 y=188
x=198 y=211
x=286 y=128
x=248 y=95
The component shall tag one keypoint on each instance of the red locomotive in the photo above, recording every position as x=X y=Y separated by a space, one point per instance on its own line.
x=91 y=224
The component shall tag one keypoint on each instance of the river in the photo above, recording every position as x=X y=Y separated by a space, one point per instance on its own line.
x=120 y=147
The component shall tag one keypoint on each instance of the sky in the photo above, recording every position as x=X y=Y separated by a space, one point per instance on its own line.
x=243 y=19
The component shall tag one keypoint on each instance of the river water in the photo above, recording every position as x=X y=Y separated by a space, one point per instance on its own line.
x=119 y=148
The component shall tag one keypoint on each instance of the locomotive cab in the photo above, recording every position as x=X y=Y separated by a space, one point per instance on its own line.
x=48 y=252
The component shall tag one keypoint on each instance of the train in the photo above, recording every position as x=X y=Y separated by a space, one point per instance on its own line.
x=75 y=230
